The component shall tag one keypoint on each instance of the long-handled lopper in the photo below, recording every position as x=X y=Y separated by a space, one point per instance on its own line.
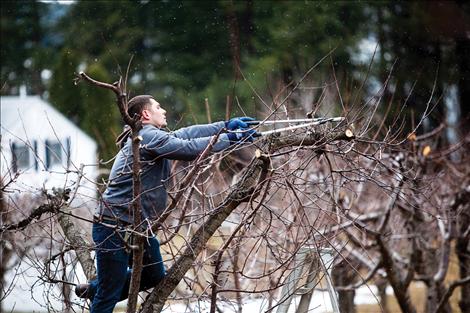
x=306 y=123
x=321 y=120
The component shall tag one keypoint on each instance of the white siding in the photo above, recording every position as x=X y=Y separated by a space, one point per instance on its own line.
x=30 y=121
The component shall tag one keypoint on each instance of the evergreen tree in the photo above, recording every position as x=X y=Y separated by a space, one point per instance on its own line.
x=423 y=41
x=100 y=115
x=92 y=109
x=64 y=95
x=24 y=52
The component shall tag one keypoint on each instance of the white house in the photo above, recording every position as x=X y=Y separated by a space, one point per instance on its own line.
x=41 y=148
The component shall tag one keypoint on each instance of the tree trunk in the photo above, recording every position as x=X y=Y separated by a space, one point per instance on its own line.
x=247 y=26
x=344 y=276
x=435 y=292
x=3 y=248
x=393 y=276
x=236 y=277
x=234 y=38
x=463 y=253
x=241 y=192
x=381 y=41
x=252 y=180
x=382 y=291
x=462 y=51
x=37 y=87
x=76 y=240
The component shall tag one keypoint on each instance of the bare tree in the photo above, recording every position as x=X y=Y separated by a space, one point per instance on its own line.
x=381 y=198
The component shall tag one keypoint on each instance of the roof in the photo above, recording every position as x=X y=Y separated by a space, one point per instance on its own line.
x=24 y=116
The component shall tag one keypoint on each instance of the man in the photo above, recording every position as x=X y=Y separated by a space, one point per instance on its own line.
x=113 y=218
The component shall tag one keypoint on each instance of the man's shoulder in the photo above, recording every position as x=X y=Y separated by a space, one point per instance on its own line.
x=152 y=134
x=152 y=130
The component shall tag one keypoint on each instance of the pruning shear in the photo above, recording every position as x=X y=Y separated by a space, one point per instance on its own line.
x=305 y=122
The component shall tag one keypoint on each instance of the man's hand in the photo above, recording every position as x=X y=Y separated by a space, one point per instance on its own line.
x=242 y=136
x=238 y=123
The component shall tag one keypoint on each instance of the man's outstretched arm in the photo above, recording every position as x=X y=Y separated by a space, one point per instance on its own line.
x=205 y=130
x=199 y=131
x=168 y=146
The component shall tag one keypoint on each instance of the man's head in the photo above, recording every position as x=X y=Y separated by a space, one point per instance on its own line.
x=149 y=110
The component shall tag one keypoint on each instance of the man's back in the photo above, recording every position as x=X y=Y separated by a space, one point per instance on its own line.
x=158 y=147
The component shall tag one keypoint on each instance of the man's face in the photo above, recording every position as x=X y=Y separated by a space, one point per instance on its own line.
x=154 y=115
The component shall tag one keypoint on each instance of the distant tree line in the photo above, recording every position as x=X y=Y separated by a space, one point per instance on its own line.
x=185 y=51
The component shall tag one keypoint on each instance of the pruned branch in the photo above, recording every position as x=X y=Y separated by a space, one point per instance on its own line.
x=119 y=91
x=116 y=87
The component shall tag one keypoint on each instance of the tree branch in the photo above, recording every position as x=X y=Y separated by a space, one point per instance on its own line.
x=246 y=188
x=54 y=204
x=445 y=298
x=251 y=182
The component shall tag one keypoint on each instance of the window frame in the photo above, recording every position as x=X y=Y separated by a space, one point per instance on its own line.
x=18 y=150
x=54 y=153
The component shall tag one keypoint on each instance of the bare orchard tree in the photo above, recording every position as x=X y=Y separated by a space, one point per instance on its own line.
x=31 y=239
x=35 y=253
x=426 y=216
x=241 y=222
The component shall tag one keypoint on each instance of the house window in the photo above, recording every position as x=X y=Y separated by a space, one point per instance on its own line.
x=20 y=154
x=53 y=153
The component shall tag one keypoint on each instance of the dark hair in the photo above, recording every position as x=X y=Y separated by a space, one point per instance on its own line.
x=137 y=104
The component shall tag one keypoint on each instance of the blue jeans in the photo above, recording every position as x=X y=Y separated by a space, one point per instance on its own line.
x=113 y=261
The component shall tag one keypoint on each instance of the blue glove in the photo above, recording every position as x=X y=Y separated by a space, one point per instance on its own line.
x=238 y=123
x=242 y=136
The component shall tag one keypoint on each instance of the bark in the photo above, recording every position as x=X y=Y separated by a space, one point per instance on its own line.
x=306 y=298
x=119 y=89
x=463 y=254
x=398 y=281
x=236 y=278
x=461 y=209
x=462 y=50
x=37 y=87
x=138 y=241
x=76 y=240
x=382 y=42
x=247 y=26
x=56 y=204
x=342 y=276
x=382 y=291
x=5 y=253
x=435 y=292
x=436 y=289
x=449 y=292
x=247 y=187
x=401 y=291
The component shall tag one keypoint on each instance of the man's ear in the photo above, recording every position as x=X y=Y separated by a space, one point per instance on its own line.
x=145 y=114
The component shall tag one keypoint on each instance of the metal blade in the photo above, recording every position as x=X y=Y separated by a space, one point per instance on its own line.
x=317 y=122
x=301 y=120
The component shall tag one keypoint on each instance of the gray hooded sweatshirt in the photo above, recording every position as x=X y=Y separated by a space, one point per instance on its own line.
x=158 y=148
